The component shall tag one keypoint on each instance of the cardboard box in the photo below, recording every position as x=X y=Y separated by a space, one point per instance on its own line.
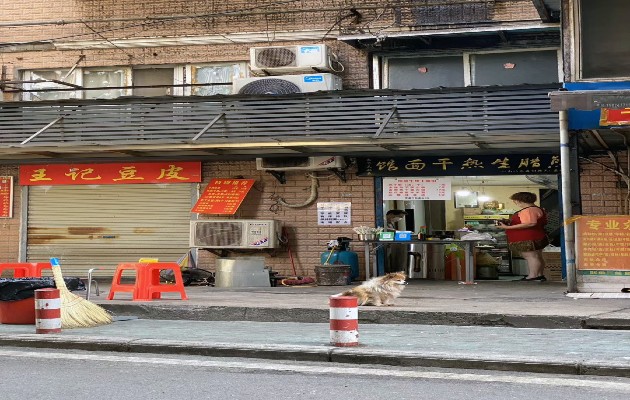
x=402 y=235
x=386 y=236
x=553 y=265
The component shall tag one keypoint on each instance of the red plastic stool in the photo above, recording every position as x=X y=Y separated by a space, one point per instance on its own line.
x=37 y=268
x=20 y=270
x=155 y=288
x=138 y=288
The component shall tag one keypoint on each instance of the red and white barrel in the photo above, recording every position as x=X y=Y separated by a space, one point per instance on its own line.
x=344 y=321
x=47 y=311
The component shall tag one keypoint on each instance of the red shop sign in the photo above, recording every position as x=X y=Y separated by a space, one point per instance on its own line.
x=611 y=116
x=223 y=196
x=110 y=174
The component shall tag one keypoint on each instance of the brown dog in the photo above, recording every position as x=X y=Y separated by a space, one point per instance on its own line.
x=379 y=291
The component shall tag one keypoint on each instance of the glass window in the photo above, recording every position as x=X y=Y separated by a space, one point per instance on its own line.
x=45 y=80
x=223 y=73
x=103 y=78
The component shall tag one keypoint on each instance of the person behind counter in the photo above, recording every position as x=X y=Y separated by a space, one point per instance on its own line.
x=392 y=217
x=526 y=234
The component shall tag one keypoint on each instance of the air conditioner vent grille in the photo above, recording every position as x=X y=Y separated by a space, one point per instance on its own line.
x=270 y=86
x=226 y=234
x=275 y=57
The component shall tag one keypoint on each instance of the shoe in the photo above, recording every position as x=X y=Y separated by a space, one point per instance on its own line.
x=540 y=278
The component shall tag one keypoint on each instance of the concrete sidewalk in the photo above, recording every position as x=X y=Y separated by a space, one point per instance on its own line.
x=487 y=303
x=489 y=325
x=565 y=351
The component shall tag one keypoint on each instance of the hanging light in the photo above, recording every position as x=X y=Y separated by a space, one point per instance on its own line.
x=483 y=197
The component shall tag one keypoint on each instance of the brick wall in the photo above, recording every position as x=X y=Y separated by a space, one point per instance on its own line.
x=601 y=193
x=307 y=240
x=10 y=227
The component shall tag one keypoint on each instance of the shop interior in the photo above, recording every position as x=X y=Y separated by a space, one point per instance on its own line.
x=477 y=201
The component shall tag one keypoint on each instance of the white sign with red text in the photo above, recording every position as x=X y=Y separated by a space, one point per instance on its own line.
x=417 y=188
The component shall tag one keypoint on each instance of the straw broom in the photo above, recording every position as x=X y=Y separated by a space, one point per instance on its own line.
x=76 y=312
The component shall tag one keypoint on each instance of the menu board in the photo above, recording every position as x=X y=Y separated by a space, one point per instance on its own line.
x=6 y=197
x=416 y=188
x=603 y=245
x=223 y=196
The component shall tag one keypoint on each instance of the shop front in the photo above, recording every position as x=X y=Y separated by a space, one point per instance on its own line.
x=446 y=197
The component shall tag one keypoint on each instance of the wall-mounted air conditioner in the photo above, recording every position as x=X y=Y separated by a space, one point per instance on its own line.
x=286 y=84
x=300 y=163
x=235 y=234
x=283 y=59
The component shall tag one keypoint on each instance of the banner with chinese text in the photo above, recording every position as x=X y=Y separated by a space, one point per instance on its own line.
x=6 y=197
x=223 y=196
x=603 y=245
x=110 y=173
x=508 y=164
x=416 y=188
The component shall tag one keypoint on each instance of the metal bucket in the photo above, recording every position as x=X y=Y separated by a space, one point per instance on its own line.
x=333 y=275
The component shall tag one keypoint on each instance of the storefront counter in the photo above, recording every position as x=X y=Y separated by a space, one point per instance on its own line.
x=371 y=246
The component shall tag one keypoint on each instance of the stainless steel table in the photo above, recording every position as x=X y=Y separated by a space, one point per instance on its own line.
x=467 y=245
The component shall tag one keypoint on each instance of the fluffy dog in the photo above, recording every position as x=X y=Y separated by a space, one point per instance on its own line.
x=379 y=291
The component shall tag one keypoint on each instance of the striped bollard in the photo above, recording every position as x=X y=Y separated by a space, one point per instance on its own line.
x=47 y=311
x=344 y=321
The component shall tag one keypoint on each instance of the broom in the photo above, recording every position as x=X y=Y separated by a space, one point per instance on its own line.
x=76 y=312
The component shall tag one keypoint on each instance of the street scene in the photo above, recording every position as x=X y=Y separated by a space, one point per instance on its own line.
x=314 y=199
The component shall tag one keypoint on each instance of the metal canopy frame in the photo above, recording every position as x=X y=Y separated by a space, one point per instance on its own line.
x=459 y=121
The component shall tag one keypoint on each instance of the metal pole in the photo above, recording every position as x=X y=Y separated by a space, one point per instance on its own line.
x=567 y=211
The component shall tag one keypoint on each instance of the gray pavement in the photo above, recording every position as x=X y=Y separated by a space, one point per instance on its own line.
x=502 y=325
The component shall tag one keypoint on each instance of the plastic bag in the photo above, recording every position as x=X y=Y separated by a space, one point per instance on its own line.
x=478 y=236
x=24 y=288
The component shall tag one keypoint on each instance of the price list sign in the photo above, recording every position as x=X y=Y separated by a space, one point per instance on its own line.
x=333 y=213
x=223 y=196
x=6 y=197
x=416 y=188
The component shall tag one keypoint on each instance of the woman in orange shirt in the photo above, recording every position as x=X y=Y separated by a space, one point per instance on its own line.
x=526 y=234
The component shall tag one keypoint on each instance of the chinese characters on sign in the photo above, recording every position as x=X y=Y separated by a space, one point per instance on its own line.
x=110 y=174
x=416 y=188
x=6 y=197
x=333 y=213
x=603 y=245
x=460 y=165
x=223 y=196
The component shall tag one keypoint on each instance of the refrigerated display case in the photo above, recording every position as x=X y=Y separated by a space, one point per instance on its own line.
x=498 y=249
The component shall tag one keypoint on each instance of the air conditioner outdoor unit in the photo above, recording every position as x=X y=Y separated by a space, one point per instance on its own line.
x=283 y=59
x=235 y=234
x=286 y=84
x=300 y=163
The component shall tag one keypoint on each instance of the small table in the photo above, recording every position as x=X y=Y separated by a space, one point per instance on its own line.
x=468 y=246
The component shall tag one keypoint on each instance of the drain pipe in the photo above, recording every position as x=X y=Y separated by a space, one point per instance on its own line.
x=567 y=211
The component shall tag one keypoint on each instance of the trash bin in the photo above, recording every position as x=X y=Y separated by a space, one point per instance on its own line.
x=17 y=299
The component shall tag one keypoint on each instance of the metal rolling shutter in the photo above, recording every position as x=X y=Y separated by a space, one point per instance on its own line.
x=101 y=226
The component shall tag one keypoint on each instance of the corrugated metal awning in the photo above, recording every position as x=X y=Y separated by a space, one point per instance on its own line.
x=463 y=120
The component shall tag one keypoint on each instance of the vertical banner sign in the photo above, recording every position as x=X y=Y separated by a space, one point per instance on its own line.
x=416 y=188
x=336 y=214
x=223 y=196
x=6 y=197
x=603 y=245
